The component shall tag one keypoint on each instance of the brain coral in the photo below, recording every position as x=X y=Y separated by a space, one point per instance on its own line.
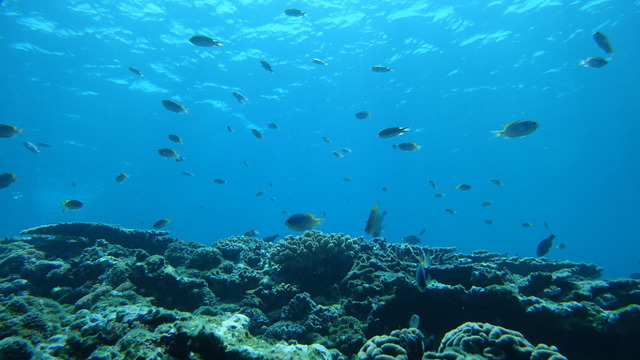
x=314 y=260
x=485 y=341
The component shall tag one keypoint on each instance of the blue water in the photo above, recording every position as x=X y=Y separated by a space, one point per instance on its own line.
x=460 y=70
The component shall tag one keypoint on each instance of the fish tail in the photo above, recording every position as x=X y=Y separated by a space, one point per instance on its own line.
x=497 y=133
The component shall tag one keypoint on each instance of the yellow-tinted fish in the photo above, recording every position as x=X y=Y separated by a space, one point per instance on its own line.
x=326 y=139
x=319 y=62
x=487 y=203
x=373 y=221
x=603 y=42
x=527 y=224
x=135 y=71
x=337 y=154
x=496 y=182
x=518 y=128
x=408 y=146
x=346 y=150
x=381 y=69
x=433 y=184
x=450 y=211
x=241 y=98
x=175 y=138
x=72 y=204
x=294 y=12
x=594 y=62
x=7 y=179
x=362 y=115
x=122 y=177
x=161 y=223
x=392 y=132
x=7 y=131
x=439 y=195
x=168 y=153
x=205 y=41
x=173 y=106
x=302 y=222
x=463 y=187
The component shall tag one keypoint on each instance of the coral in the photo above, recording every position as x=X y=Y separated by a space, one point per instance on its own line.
x=16 y=348
x=383 y=347
x=314 y=260
x=486 y=341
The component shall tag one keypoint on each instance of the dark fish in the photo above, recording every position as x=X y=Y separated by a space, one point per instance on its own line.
x=407 y=146
x=229 y=129
x=72 y=204
x=422 y=231
x=487 y=203
x=545 y=245
x=517 y=128
x=326 y=139
x=450 y=211
x=251 y=233
x=422 y=278
x=241 y=98
x=392 y=132
x=168 y=153
x=384 y=188
x=257 y=134
x=378 y=231
x=271 y=238
x=245 y=163
x=220 y=181
x=135 y=71
x=496 y=182
x=265 y=65
x=273 y=126
x=603 y=42
x=294 y=12
x=373 y=221
x=526 y=224
x=362 y=115
x=29 y=146
x=439 y=195
x=411 y=240
x=346 y=179
x=200 y=40
x=161 y=223
x=270 y=185
x=463 y=187
x=345 y=150
x=175 y=138
x=173 y=106
x=337 y=154
x=489 y=222
x=122 y=177
x=546 y=225
x=433 y=184
x=380 y=69
x=7 y=131
x=7 y=179
x=302 y=222
x=260 y=193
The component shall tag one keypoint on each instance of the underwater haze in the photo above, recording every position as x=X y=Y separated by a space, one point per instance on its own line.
x=460 y=70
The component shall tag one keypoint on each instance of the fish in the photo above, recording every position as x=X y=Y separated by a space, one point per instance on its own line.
x=257 y=134
x=526 y=224
x=561 y=246
x=422 y=277
x=251 y=233
x=380 y=227
x=323 y=213
x=173 y=106
x=7 y=131
x=302 y=222
x=384 y=188
x=408 y=146
x=271 y=238
x=337 y=154
x=411 y=240
x=229 y=129
x=245 y=163
x=74 y=183
x=422 y=231
x=188 y=173
x=29 y=146
x=546 y=225
x=545 y=245
x=161 y=223
x=603 y=42
x=265 y=65
x=41 y=144
x=414 y=322
x=326 y=139
x=517 y=128
x=381 y=69
x=463 y=187
x=433 y=184
x=220 y=181
x=135 y=71
x=273 y=126
x=345 y=150
x=72 y=204
x=175 y=138
x=496 y=182
x=346 y=179
x=260 y=193
x=392 y=132
x=294 y=12
x=7 y=179
x=487 y=203
x=440 y=195
x=241 y=98
x=122 y=177
x=270 y=185
x=594 y=62
x=318 y=61
x=362 y=115
x=489 y=222
x=450 y=211
x=168 y=153
x=373 y=221
x=205 y=41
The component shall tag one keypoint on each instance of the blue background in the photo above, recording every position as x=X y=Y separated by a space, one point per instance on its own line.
x=461 y=69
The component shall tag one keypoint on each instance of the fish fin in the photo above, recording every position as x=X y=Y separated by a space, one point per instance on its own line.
x=497 y=133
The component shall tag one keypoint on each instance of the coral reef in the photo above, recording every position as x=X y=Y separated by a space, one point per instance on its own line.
x=96 y=291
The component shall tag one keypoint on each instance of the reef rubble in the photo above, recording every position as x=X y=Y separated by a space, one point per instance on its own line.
x=98 y=291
